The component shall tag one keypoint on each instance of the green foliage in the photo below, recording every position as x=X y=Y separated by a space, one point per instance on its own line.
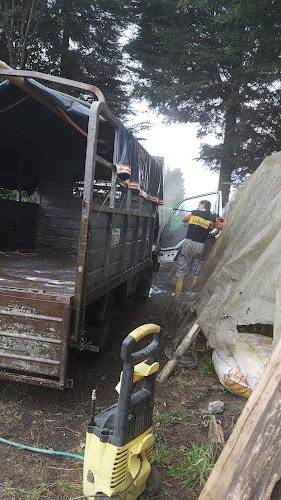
x=11 y=194
x=206 y=366
x=76 y=39
x=215 y=63
x=261 y=329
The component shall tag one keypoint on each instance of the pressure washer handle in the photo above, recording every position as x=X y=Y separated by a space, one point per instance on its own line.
x=133 y=406
x=135 y=336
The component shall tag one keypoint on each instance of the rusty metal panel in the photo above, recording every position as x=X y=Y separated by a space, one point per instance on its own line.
x=118 y=242
x=34 y=337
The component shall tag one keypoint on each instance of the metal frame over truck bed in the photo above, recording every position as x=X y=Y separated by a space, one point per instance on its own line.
x=85 y=233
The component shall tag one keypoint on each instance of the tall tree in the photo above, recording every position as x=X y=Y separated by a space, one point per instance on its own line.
x=215 y=63
x=18 y=25
x=77 y=39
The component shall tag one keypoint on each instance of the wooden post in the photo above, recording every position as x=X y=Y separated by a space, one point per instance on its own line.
x=168 y=368
x=249 y=465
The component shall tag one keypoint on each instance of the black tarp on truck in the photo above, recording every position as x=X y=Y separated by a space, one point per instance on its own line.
x=78 y=204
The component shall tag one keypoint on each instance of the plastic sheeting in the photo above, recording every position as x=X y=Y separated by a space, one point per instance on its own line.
x=143 y=172
x=135 y=165
x=244 y=267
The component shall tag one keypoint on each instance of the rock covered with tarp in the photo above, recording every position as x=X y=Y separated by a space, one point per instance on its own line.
x=244 y=266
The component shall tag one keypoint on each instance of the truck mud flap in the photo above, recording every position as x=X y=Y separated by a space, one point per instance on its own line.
x=34 y=335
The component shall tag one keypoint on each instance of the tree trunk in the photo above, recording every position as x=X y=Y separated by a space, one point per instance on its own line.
x=227 y=162
x=65 y=56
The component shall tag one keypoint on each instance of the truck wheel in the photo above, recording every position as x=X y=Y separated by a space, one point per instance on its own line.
x=155 y=263
x=144 y=282
x=98 y=322
x=102 y=331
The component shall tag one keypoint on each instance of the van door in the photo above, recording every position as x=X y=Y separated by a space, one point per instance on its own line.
x=174 y=230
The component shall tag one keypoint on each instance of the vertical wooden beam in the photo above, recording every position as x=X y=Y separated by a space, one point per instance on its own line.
x=112 y=201
x=90 y=165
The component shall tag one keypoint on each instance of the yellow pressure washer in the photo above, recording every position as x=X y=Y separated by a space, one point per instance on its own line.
x=119 y=444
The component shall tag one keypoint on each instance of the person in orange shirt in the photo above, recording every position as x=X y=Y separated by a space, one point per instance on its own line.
x=200 y=223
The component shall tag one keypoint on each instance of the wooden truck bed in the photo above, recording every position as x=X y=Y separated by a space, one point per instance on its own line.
x=40 y=271
x=35 y=297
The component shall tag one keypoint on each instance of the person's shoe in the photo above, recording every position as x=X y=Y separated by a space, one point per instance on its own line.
x=179 y=286
x=194 y=282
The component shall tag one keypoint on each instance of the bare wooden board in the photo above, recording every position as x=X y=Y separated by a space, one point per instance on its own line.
x=249 y=465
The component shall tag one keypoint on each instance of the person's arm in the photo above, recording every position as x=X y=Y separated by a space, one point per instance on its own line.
x=220 y=223
x=186 y=218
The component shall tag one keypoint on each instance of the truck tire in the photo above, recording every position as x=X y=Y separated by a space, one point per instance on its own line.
x=102 y=331
x=98 y=322
x=155 y=263
x=144 y=282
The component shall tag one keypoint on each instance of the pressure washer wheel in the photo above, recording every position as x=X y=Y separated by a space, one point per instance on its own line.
x=153 y=483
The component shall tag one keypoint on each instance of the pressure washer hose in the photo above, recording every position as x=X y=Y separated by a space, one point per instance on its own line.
x=72 y=455
x=40 y=450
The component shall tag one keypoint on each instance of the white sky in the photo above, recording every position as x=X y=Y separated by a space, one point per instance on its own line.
x=178 y=144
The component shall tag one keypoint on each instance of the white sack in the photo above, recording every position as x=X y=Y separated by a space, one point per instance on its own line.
x=251 y=353
x=229 y=373
x=240 y=367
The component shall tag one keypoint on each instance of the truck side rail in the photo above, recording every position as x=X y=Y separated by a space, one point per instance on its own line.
x=9 y=72
x=17 y=77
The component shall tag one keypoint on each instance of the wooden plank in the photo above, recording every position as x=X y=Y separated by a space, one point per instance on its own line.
x=249 y=465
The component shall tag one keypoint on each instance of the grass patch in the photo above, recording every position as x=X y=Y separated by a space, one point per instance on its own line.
x=237 y=411
x=9 y=490
x=41 y=492
x=181 y=379
x=206 y=366
x=169 y=418
x=163 y=455
x=194 y=466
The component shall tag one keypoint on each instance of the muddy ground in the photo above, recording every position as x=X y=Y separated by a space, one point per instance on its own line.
x=50 y=419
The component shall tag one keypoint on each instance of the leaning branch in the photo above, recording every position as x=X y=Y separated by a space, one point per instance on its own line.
x=184 y=345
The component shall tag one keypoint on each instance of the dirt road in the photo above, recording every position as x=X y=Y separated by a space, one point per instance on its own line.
x=50 y=419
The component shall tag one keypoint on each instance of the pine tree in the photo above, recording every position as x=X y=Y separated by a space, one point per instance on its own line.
x=76 y=39
x=215 y=63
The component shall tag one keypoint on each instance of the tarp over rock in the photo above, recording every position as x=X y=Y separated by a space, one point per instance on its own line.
x=244 y=266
